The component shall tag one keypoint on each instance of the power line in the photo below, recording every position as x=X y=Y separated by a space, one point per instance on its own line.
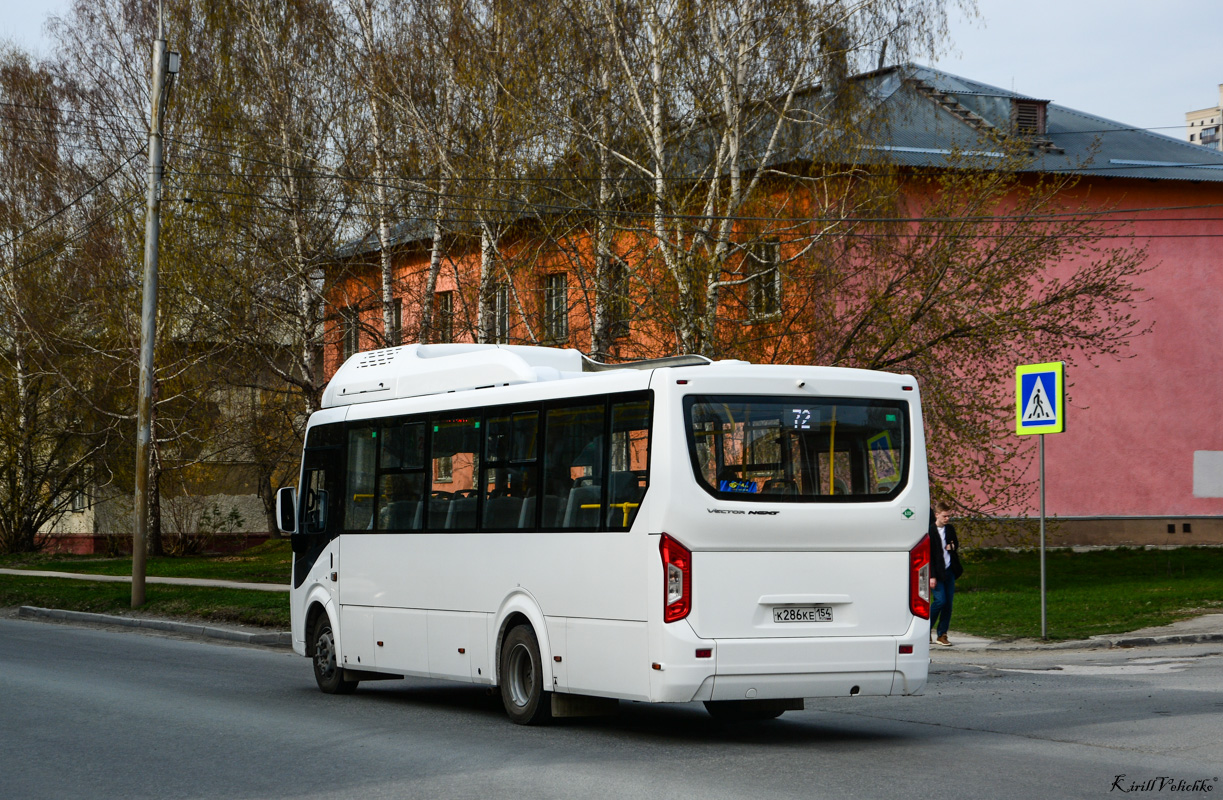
x=1117 y=128
x=73 y=236
x=454 y=223
x=72 y=202
x=525 y=207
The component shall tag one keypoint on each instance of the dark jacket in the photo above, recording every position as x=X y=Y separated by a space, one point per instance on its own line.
x=937 y=569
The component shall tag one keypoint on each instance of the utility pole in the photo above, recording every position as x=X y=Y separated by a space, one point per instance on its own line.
x=165 y=66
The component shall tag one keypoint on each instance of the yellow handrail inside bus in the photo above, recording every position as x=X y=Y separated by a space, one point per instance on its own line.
x=624 y=506
x=832 y=452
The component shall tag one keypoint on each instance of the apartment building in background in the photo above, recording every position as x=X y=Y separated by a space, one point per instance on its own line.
x=1202 y=126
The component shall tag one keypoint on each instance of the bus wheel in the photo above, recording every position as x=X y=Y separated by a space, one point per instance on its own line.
x=522 y=686
x=746 y=710
x=328 y=673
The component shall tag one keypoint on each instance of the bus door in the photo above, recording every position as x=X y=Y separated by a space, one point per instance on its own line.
x=319 y=498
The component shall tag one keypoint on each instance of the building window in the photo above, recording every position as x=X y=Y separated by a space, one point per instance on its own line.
x=556 y=308
x=501 y=314
x=397 y=322
x=443 y=317
x=764 y=288
x=350 y=325
x=79 y=500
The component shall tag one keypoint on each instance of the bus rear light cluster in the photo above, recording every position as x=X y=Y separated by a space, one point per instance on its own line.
x=677 y=579
x=919 y=578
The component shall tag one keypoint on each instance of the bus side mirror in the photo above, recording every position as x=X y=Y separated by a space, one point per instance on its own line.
x=286 y=510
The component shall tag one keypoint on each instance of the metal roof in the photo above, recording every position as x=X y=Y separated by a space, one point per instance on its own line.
x=921 y=132
x=406 y=232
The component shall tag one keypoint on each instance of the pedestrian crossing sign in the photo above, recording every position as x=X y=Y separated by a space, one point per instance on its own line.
x=1040 y=398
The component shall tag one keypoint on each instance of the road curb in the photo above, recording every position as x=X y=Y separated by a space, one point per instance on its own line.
x=1109 y=642
x=1177 y=638
x=274 y=639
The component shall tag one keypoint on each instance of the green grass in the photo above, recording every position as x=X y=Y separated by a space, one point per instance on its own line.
x=1098 y=592
x=241 y=606
x=1088 y=594
x=270 y=562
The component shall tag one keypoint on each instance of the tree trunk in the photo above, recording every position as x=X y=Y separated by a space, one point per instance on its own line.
x=601 y=335
x=435 y=263
x=485 y=316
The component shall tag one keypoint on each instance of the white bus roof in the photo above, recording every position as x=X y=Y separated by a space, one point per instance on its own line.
x=424 y=369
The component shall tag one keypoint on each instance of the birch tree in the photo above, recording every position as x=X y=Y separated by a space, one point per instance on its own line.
x=49 y=224
x=109 y=87
x=371 y=25
x=711 y=88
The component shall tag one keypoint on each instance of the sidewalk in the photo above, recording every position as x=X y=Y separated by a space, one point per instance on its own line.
x=1206 y=628
x=258 y=587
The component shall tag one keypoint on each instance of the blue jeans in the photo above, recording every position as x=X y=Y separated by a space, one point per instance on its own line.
x=940 y=604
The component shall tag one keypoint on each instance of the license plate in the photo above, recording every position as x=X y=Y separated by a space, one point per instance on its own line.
x=802 y=614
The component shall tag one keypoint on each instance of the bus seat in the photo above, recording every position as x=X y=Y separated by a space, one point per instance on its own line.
x=462 y=513
x=439 y=510
x=502 y=513
x=402 y=515
x=625 y=487
x=552 y=505
x=578 y=517
x=779 y=486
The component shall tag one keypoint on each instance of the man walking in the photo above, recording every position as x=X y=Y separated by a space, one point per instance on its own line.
x=944 y=569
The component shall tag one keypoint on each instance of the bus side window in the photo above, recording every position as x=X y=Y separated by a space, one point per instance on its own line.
x=510 y=478
x=455 y=458
x=628 y=457
x=573 y=465
x=401 y=476
x=359 y=505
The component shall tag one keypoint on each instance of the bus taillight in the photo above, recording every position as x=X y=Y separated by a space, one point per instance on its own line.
x=919 y=578
x=677 y=579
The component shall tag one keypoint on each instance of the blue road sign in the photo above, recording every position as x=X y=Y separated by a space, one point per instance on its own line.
x=1040 y=398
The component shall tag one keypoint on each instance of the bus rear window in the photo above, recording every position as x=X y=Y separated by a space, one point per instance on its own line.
x=798 y=450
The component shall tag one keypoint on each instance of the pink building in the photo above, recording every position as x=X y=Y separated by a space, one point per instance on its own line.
x=1141 y=461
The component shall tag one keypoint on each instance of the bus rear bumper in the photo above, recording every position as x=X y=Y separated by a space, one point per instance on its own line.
x=777 y=668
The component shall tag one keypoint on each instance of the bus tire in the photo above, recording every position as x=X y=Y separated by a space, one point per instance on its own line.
x=745 y=710
x=327 y=671
x=522 y=678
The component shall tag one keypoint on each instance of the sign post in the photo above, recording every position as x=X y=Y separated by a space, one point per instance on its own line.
x=1040 y=408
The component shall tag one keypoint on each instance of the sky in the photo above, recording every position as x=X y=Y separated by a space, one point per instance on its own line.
x=1131 y=61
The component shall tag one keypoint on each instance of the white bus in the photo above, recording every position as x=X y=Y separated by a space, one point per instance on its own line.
x=578 y=533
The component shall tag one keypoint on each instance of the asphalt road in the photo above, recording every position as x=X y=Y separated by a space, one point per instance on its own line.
x=99 y=714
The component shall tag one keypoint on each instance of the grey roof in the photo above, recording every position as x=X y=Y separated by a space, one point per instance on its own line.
x=406 y=232
x=922 y=131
